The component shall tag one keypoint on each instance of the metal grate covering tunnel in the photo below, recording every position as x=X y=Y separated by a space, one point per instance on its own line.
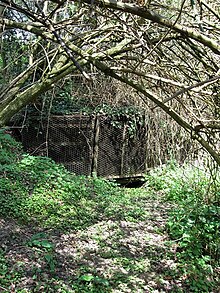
x=89 y=144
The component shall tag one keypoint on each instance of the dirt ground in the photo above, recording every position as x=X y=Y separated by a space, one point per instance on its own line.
x=110 y=256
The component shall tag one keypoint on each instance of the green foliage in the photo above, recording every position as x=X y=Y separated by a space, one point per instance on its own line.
x=9 y=149
x=194 y=224
x=37 y=190
x=132 y=116
x=66 y=104
x=14 y=53
x=39 y=240
x=90 y=283
x=1 y=63
x=7 y=275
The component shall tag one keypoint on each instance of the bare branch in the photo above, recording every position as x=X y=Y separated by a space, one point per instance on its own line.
x=200 y=84
x=150 y=15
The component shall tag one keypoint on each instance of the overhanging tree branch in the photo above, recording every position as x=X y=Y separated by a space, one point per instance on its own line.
x=147 y=94
x=152 y=59
x=154 y=17
x=17 y=100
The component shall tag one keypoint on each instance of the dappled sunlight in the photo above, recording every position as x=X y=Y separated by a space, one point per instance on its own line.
x=111 y=255
x=71 y=234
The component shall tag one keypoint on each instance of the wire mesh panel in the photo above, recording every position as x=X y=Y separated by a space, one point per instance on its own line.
x=70 y=142
x=33 y=138
x=65 y=139
x=134 y=159
x=87 y=144
x=109 y=149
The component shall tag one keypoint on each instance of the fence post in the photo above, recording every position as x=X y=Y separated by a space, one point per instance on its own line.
x=94 y=168
x=124 y=143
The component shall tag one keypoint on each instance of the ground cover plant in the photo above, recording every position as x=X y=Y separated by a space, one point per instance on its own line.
x=65 y=233
x=194 y=224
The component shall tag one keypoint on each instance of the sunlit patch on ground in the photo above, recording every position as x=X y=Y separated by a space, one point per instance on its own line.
x=112 y=255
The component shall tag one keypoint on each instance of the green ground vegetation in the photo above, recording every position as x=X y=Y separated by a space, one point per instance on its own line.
x=194 y=224
x=67 y=233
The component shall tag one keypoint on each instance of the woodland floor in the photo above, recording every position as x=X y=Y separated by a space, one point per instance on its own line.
x=112 y=255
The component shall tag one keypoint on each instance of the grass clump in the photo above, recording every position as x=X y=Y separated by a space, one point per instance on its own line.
x=194 y=223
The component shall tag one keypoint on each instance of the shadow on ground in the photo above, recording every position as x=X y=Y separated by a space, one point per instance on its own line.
x=113 y=255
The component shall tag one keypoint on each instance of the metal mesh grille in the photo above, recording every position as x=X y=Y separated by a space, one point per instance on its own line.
x=70 y=142
x=85 y=144
x=109 y=150
x=135 y=157
x=33 y=138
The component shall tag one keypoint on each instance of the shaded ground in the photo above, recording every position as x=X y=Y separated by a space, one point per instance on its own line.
x=113 y=255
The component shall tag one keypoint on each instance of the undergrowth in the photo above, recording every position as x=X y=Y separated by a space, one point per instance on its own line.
x=194 y=223
x=37 y=192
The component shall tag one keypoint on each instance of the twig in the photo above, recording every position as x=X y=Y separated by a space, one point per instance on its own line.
x=182 y=91
x=3 y=288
